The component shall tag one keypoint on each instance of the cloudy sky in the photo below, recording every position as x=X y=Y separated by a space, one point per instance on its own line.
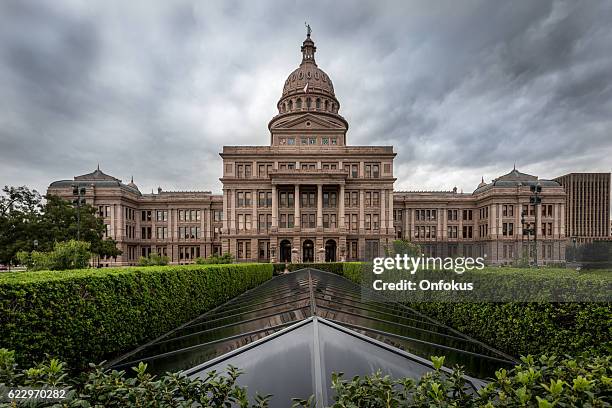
x=153 y=89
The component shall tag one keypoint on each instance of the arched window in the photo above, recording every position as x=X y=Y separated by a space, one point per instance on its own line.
x=308 y=103
x=290 y=105
x=326 y=105
x=333 y=107
x=298 y=103
x=318 y=103
x=284 y=107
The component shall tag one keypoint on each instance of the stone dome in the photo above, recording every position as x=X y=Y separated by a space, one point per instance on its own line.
x=308 y=73
x=308 y=87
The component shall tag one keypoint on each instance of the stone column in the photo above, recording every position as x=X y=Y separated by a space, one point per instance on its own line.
x=297 y=215
x=500 y=230
x=113 y=224
x=444 y=216
x=361 y=212
x=274 y=207
x=225 y=211
x=556 y=220
x=341 y=215
x=254 y=221
x=518 y=227
x=562 y=222
x=411 y=224
x=232 y=204
x=391 y=217
x=383 y=212
x=121 y=223
x=405 y=218
x=209 y=220
x=439 y=216
x=319 y=206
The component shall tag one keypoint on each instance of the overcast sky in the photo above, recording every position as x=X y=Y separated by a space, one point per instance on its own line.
x=153 y=89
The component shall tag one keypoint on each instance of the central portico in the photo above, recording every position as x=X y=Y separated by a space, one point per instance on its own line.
x=308 y=197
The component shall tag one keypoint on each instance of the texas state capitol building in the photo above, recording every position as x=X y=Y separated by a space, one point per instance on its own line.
x=309 y=196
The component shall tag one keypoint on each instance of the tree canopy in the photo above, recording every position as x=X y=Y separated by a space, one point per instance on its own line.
x=27 y=223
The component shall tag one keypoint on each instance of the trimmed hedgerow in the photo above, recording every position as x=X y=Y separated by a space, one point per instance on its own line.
x=527 y=328
x=530 y=328
x=89 y=315
x=334 y=267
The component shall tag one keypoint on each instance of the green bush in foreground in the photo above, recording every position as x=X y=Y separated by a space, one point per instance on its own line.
x=65 y=255
x=543 y=383
x=88 y=315
x=104 y=388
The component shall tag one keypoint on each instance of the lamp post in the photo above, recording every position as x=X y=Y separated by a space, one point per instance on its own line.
x=79 y=193
x=524 y=230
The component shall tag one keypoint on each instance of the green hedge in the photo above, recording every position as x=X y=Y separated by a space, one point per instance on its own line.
x=89 y=315
x=527 y=328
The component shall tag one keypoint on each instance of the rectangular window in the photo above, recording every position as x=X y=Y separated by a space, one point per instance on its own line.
x=244 y=249
x=290 y=221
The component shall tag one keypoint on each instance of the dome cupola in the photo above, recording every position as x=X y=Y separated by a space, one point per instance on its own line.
x=308 y=87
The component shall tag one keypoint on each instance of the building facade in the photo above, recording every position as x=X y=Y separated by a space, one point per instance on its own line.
x=588 y=209
x=310 y=196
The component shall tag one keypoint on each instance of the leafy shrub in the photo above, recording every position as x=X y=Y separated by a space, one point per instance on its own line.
x=279 y=268
x=154 y=259
x=65 y=255
x=215 y=259
x=544 y=383
x=403 y=247
x=88 y=315
x=105 y=388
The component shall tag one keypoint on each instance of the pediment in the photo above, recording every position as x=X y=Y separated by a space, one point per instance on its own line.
x=301 y=123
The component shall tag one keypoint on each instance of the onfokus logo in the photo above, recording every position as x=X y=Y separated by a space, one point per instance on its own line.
x=413 y=264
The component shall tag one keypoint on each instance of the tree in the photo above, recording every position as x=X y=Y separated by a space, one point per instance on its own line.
x=403 y=247
x=20 y=211
x=65 y=255
x=28 y=224
x=59 y=223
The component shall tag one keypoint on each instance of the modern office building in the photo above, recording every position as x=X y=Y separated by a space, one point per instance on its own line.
x=587 y=208
x=311 y=196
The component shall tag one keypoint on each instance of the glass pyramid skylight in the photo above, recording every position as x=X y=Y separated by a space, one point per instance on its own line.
x=291 y=333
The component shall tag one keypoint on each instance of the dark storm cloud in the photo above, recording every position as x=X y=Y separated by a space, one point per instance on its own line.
x=154 y=89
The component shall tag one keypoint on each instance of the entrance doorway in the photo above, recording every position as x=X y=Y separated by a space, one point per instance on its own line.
x=330 y=251
x=308 y=251
x=285 y=251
